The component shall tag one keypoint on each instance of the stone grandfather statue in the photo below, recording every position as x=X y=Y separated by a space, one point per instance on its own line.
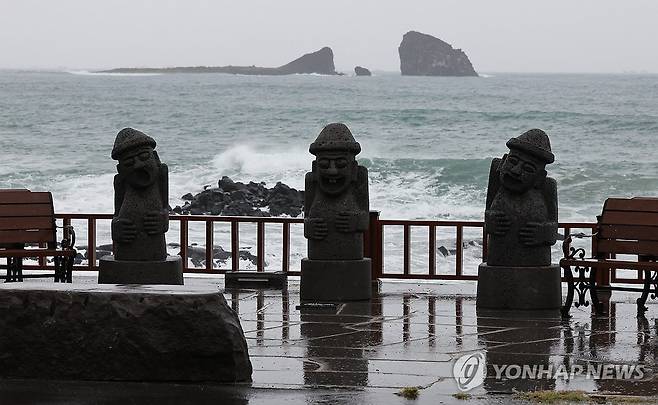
x=336 y=211
x=521 y=221
x=141 y=215
x=521 y=208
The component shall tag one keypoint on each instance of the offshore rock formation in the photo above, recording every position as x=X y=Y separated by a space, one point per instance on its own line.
x=361 y=71
x=239 y=199
x=425 y=55
x=320 y=62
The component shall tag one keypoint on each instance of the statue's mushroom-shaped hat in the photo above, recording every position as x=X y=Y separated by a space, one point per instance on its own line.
x=534 y=142
x=335 y=137
x=129 y=138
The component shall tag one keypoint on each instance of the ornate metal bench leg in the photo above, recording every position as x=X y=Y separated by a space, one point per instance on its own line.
x=19 y=268
x=596 y=304
x=570 y=289
x=10 y=270
x=58 y=268
x=69 y=269
x=641 y=308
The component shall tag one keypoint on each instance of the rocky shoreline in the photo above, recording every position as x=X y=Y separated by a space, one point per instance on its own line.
x=231 y=198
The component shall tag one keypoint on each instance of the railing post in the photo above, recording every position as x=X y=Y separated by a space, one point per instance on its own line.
x=210 y=242
x=406 y=235
x=459 y=262
x=373 y=245
x=432 y=249
x=91 y=243
x=183 y=242
x=285 y=261
x=235 y=245
x=260 y=246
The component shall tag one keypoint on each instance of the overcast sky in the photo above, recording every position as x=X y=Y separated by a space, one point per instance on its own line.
x=498 y=36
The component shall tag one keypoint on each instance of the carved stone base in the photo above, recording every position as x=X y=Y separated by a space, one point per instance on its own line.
x=168 y=271
x=335 y=280
x=519 y=288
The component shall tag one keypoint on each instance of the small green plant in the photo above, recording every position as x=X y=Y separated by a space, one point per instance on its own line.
x=551 y=397
x=409 y=392
x=462 y=395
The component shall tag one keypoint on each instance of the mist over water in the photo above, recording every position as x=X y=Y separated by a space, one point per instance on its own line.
x=427 y=142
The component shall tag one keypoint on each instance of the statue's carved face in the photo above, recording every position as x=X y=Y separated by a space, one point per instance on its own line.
x=520 y=171
x=335 y=171
x=139 y=167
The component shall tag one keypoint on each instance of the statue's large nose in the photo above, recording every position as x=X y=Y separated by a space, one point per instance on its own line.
x=516 y=169
x=138 y=164
x=332 y=168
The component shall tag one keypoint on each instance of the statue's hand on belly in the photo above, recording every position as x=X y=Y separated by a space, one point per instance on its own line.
x=497 y=222
x=346 y=222
x=315 y=228
x=155 y=223
x=123 y=230
x=538 y=233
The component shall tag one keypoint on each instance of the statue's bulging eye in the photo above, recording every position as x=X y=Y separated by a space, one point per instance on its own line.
x=129 y=162
x=341 y=163
x=323 y=163
x=528 y=168
x=513 y=160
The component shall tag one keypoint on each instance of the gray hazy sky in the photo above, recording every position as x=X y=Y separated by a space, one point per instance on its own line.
x=498 y=36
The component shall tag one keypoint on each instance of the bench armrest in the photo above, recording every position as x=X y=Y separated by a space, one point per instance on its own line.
x=68 y=243
x=569 y=251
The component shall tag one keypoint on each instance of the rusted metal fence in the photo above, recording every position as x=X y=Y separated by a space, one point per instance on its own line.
x=373 y=243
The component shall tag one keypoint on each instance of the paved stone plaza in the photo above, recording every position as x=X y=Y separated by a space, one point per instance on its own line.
x=408 y=335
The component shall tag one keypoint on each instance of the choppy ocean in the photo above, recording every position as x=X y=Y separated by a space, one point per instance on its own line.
x=427 y=141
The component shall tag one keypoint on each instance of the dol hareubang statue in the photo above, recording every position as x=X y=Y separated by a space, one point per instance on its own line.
x=521 y=225
x=336 y=211
x=521 y=214
x=141 y=216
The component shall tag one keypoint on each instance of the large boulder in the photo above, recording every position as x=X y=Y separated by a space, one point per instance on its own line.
x=425 y=55
x=121 y=333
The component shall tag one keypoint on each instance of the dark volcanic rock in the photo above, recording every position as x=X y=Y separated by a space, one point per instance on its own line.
x=239 y=199
x=425 y=55
x=320 y=62
x=120 y=333
x=361 y=71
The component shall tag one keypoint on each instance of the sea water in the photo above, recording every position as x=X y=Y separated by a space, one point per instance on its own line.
x=426 y=141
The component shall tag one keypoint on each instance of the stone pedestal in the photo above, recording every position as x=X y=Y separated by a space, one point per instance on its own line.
x=120 y=333
x=335 y=280
x=168 y=271
x=519 y=288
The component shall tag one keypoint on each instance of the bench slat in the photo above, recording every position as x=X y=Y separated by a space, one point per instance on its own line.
x=631 y=204
x=28 y=210
x=25 y=197
x=21 y=236
x=611 y=264
x=26 y=223
x=649 y=248
x=630 y=232
x=630 y=218
x=36 y=252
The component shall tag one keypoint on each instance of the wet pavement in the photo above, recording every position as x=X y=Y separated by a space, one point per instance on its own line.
x=410 y=334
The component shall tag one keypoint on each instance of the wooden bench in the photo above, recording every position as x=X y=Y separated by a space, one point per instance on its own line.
x=625 y=227
x=28 y=230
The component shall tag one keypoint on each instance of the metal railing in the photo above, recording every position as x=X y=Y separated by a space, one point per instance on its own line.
x=373 y=243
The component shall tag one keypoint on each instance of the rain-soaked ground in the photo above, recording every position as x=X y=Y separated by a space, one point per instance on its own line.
x=409 y=335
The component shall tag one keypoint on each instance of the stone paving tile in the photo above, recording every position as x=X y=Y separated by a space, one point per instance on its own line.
x=405 y=338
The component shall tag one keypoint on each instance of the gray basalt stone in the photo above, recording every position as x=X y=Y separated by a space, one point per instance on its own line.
x=124 y=333
x=425 y=55
x=521 y=223
x=337 y=214
x=141 y=211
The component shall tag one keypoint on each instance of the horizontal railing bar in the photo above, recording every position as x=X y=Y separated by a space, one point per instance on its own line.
x=194 y=218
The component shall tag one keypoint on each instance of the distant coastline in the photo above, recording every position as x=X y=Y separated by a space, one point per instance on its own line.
x=318 y=62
